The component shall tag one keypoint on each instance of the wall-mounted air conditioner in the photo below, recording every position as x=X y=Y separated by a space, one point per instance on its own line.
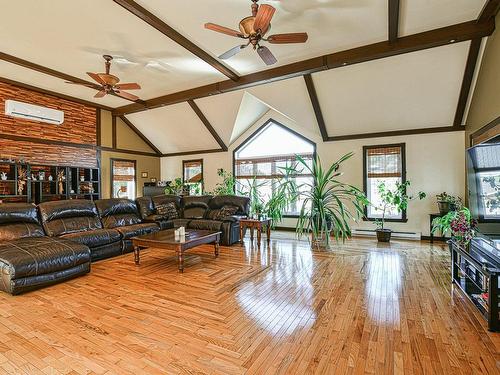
x=33 y=112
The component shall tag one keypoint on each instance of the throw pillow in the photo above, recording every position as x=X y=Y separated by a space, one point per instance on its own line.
x=168 y=210
x=225 y=211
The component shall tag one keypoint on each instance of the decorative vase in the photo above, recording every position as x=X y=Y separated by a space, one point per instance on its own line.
x=384 y=235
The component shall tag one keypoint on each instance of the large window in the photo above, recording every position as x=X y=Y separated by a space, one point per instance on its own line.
x=193 y=176
x=261 y=158
x=123 y=174
x=383 y=164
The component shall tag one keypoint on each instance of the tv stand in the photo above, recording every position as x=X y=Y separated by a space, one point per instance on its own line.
x=475 y=270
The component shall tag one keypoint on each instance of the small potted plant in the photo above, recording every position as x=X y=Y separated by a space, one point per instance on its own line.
x=459 y=222
x=447 y=203
x=398 y=199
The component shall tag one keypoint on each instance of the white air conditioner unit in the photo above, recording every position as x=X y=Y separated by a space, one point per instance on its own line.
x=33 y=112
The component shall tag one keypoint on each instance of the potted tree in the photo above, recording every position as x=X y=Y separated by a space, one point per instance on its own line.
x=328 y=205
x=398 y=199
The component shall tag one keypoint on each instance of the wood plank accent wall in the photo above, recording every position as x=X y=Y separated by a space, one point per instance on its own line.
x=79 y=128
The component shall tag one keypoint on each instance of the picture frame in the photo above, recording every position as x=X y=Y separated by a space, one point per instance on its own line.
x=144 y=174
x=153 y=179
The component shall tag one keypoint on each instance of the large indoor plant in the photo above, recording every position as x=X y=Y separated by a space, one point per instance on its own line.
x=328 y=205
x=396 y=198
x=459 y=223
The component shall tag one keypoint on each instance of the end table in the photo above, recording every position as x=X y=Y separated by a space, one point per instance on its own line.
x=258 y=224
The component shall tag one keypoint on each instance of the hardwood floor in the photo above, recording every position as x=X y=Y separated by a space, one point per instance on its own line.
x=362 y=308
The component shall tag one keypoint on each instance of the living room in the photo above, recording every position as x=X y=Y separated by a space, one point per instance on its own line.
x=321 y=198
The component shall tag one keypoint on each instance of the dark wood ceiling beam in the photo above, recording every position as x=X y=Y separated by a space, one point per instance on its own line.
x=53 y=93
x=470 y=68
x=394 y=133
x=168 y=31
x=316 y=106
x=393 y=20
x=184 y=153
x=207 y=124
x=140 y=135
x=490 y=10
x=416 y=42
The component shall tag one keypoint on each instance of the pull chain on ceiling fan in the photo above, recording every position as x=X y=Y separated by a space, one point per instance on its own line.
x=110 y=83
x=254 y=28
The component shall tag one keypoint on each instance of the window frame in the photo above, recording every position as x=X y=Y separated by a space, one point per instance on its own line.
x=404 y=217
x=184 y=162
x=112 y=160
x=261 y=129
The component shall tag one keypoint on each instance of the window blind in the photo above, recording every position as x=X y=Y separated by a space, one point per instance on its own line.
x=270 y=167
x=384 y=162
x=123 y=171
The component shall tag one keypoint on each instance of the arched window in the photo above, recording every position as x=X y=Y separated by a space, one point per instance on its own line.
x=263 y=155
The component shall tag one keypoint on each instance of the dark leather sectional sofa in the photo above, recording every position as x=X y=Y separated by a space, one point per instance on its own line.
x=56 y=241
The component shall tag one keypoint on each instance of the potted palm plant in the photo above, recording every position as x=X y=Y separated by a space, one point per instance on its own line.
x=397 y=199
x=328 y=205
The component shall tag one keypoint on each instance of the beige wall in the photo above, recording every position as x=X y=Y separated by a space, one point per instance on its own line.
x=435 y=163
x=126 y=139
x=485 y=104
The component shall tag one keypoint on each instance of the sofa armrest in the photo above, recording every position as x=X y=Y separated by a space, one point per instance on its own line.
x=234 y=218
x=154 y=218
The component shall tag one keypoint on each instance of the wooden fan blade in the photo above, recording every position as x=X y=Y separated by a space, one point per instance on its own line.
x=288 y=38
x=223 y=30
x=128 y=86
x=126 y=95
x=266 y=55
x=100 y=94
x=232 y=52
x=96 y=78
x=263 y=18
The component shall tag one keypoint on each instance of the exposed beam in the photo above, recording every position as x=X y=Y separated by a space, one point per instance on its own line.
x=416 y=42
x=207 y=124
x=395 y=133
x=113 y=132
x=140 y=135
x=393 y=20
x=98 y=126
x=490 y=10
x=125 y=151
x=168 y=31
x=53 y=93
x=183 y=153
x=470 y=68
x=316 y=106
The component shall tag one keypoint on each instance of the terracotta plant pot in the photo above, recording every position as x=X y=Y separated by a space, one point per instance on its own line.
x=384 y=235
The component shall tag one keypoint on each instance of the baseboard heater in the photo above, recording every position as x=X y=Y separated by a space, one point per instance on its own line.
x=401 y=235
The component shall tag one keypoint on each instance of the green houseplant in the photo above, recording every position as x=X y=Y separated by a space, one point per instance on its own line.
x=459 y=222
x=447 y=203
x=176 y=187
x=328 y=204
x=397 y=198
x=226 y=186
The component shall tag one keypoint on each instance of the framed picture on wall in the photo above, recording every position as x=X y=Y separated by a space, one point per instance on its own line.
x=144 y=174
x=153 y=179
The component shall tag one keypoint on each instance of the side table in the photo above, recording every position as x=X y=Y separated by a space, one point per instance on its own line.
x=258 y=224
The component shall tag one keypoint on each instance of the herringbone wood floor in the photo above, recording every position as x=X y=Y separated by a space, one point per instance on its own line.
x=361 y=308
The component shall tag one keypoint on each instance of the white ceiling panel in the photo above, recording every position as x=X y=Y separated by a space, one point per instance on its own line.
x=175 y=128
x=332 y=25
x=421 y=15
x=71 y=37
x=416 y=90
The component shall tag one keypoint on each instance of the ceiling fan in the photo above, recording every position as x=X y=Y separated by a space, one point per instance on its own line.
x=109 y=83
x=254 y=28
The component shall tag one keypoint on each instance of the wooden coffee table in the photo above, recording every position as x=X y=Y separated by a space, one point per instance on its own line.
x=165 y=239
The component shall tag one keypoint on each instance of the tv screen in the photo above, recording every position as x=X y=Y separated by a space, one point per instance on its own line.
x=483 y=178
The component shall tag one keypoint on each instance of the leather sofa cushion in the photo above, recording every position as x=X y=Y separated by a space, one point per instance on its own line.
x=145 y=206
x=130 y=231
x=205 y=224
x=195 y=207
x=11 y=213
x=181 y=223
x=162 y=199
x=38 y=256
x=115 y=206
x=95 y=238
x=69 y=216
x=20 y=230
x=120 y=220
x=221 y=213
x=243 y=203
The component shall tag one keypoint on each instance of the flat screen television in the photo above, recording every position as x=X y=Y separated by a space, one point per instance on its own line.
x=483 y=181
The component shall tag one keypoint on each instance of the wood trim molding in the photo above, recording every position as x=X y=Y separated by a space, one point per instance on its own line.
x=207 y=124
x=429 y=39
x=395 y=133
x=488 y=131
x=393 y=20
x=54 y=94
x=140 y=135
x=470 y=68
x=490 y=10
x=183 y=153
x=316 y=106
x=98 y=126
x=113 y=131
x=169 y=32
x=45 y=141
x=131 y=152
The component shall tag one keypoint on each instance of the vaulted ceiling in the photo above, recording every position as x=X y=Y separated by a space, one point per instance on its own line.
x=419 y=89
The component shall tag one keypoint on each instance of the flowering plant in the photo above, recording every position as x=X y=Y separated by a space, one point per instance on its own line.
x=460 y=223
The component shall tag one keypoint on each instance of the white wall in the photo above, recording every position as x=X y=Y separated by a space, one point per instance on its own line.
x=434 y=163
